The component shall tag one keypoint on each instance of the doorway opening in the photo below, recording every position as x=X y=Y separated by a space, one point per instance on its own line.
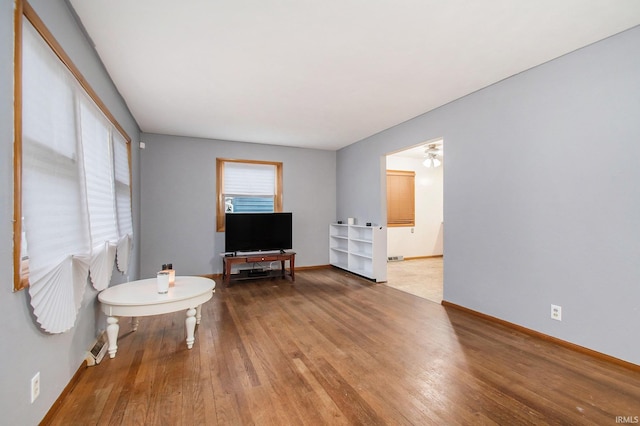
x=415 y=249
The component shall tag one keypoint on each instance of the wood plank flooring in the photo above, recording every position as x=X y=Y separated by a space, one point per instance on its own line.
x=336 y=349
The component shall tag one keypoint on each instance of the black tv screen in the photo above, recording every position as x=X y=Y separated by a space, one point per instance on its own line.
x=258 y=231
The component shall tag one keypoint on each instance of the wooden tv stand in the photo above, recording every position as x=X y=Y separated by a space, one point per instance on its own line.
x=229 y=261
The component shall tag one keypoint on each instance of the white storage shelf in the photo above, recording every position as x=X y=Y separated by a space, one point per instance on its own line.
x=359 y=249
x=339 y=246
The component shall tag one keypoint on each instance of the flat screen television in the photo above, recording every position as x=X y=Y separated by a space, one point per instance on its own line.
x=258 y=231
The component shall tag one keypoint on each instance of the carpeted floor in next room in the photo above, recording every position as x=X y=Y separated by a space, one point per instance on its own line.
x=420 y=277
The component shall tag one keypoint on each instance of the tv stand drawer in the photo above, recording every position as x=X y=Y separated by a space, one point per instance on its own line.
x=266 y=258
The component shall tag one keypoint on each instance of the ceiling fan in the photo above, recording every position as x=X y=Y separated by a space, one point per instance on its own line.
x=432 y=155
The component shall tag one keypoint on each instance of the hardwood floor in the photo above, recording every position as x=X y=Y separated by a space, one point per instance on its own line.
x=335 y=349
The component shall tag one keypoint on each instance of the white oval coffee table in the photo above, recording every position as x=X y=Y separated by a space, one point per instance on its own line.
x=140 y=298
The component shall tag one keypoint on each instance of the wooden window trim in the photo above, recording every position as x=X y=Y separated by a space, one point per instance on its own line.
x=23 y=8
x=277 y=205
x=412 y=220
x=18 y=283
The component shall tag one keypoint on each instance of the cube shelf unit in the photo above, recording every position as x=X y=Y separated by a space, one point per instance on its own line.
x=359 y=249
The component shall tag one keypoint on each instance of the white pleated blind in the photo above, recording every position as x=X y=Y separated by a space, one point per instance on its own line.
x=123 y=189
x=47 y=97
x=98 y=165
x=53 y=207
x=72 y=207
x=249 y=179
x=95 y=134
x=123 y=200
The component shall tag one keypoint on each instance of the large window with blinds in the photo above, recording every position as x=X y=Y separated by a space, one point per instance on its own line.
x=247 y=186
x=73 y=192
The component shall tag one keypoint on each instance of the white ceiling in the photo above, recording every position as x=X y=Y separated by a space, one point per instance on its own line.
x=418 y=151
x=325 y=73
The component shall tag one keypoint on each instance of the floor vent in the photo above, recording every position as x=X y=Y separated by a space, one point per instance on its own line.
x=395 y=258
x=97 y=352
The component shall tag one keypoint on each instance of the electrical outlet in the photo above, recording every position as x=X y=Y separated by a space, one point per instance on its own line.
x=35 y=387
x=556 y=312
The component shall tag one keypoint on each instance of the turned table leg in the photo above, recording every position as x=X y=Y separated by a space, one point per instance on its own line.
x=134 y=323
x=112 y=335
x=190 y=323
x=198 y=314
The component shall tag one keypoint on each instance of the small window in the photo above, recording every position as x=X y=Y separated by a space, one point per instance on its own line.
x=401 y=198
x=247 y=186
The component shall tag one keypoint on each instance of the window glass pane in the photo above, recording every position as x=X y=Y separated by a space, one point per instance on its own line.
x=249 y=204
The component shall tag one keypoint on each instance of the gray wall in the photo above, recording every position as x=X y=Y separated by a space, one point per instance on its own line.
x=541 y=195
x=25 y=348
x=179 y=201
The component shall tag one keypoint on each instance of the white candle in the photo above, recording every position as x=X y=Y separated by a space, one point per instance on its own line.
x=163 y=282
